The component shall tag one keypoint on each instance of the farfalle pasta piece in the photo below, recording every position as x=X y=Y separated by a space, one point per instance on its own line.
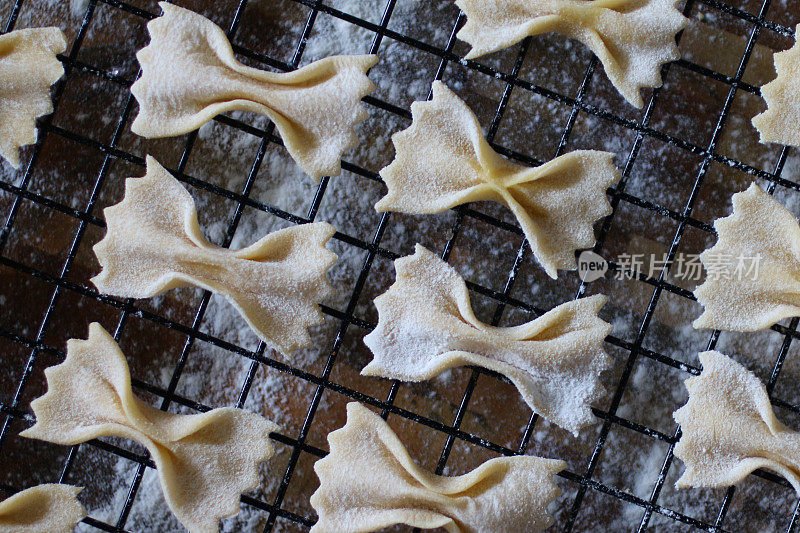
x=779 y=122
x=753 y=271
x=632 y=38
x=154 y=243
x=28 y=67
x=51 y=508
x=426 y=325
x=730 y=430
x=443 y=160
x=369 y=482
x=190 y=75
x=204 y=461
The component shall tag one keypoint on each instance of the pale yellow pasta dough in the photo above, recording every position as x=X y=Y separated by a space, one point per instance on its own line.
x=426 y=325
x=632 y=38
x=154 y=243
x=369 y=482
x=28 y=67
x=189 y=75
x=443 y=160
x=50 y=508
x=729 y=428
x=779 y=123
x=204 y=461
x=753 y=271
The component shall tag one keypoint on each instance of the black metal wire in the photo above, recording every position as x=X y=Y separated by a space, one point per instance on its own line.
x=11 y=408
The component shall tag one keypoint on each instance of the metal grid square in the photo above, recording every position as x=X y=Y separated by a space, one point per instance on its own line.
x=575 y=111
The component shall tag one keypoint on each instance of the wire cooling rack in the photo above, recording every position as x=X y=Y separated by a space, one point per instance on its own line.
x=28 y=333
